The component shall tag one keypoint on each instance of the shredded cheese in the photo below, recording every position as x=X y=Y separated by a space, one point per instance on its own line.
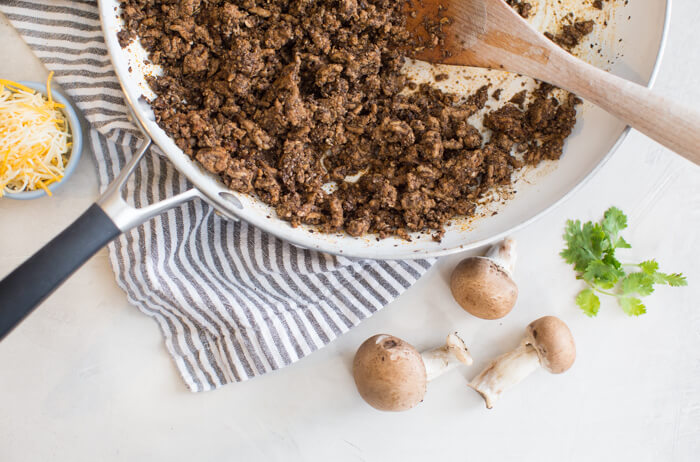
x=34 y=138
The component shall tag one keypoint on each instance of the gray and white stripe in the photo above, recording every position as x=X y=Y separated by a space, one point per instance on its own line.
x=232 y=302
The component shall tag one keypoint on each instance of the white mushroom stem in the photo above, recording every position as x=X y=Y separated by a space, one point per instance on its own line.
x=440 y=360
x=505 y=372
x=503 y=254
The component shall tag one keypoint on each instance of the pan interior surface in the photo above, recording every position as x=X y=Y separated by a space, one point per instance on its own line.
x=630 y=46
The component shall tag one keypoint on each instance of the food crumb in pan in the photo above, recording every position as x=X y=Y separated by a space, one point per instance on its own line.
x=571 y=35
x=281 y=99
x=522 y=7
x=519 y=98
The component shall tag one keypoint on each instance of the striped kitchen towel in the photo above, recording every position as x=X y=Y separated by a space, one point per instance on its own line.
x=232 y=302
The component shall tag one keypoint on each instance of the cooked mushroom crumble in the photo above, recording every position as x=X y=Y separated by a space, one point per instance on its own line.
x=293 y=100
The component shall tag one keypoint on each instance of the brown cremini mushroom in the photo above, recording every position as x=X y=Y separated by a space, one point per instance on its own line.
x=391 y=375
x=548 y=343
x=483 y=286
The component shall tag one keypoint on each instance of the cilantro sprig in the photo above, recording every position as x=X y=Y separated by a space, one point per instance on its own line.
x=591 y=249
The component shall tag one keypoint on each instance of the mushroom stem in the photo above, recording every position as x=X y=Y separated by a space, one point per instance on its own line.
x=505 y=372
x=503 y=254
x=440 y=360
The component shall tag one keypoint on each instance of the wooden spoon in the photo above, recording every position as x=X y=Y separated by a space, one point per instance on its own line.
x=489 y=33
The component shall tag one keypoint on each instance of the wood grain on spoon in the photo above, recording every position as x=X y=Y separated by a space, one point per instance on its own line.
x=489 y=33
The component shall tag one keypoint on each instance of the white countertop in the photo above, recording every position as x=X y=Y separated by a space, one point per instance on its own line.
x=87 y=377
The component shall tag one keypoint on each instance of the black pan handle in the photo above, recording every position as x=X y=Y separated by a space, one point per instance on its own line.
x=28 y=285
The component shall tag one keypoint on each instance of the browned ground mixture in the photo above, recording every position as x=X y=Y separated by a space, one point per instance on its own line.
x=522 y=7
x=280 y=97
x=571 y=35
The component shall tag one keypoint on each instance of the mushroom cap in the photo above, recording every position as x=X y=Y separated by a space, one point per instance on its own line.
x=389 y=373
x=483 y=288
x=552 y=340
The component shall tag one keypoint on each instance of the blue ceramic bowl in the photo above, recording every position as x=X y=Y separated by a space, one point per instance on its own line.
x=76 y=138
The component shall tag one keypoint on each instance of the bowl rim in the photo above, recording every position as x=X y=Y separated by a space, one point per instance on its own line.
x=76 y=131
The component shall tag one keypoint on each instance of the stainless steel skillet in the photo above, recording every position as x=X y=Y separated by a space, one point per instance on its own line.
x=595 y=138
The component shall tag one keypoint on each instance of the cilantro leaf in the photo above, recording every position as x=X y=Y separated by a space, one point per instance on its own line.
x=649 y=266
x=637 y=283
x=591 y=249
x=589 y=302
x=585 y=244
x=621 y=243
x=632 y=306
x=673 y=280
x=613 y=222
x=602 y=274
x=609 y=259
x=574 y=253
x=597 y=236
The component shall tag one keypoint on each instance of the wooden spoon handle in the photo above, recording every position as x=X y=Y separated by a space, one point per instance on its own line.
x=674 y=125
x=489 y=33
